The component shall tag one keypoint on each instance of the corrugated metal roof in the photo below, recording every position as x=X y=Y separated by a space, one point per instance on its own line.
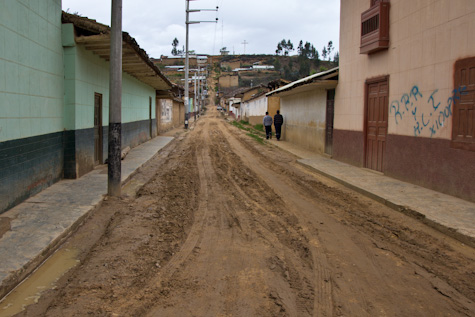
x=307 y=80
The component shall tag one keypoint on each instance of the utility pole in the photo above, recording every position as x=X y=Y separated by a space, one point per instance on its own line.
x=199 y=91
x=244 y=43
x=187 y=64
x=115 y=101
x=187 y=57
x=201 y=87
x=195 y=104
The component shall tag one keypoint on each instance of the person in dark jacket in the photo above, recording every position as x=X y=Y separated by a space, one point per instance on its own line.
x=278 y=122
x=267 y=122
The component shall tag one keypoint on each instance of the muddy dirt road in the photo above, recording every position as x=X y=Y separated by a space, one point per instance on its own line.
x=225 y=226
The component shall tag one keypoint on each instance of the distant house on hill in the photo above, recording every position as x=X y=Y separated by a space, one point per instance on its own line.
x=263 y=67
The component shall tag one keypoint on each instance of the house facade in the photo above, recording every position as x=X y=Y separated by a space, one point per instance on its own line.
x=31 y=98
x=257 y=104
x=405 y=99
x=54 y=90
x=255 y=109
x=307 y=108
x=171 y=109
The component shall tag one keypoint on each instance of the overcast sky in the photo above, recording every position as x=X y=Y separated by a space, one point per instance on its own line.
x=261 y=23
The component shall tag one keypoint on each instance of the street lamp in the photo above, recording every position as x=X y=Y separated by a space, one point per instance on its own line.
x=187 y=57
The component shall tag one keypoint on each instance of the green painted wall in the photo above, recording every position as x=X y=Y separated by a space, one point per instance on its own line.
x=86 y=74
x=31 y=78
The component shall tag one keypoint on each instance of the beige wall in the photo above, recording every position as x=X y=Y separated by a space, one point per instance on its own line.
x=229 y=81
x=233 y=65
x=426 y=38
x=165 y=114
x=177 y=118
x=273 y=104
x=253 y=120
x=304 y=119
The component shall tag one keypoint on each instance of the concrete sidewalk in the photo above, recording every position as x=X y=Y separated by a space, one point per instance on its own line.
x=40 y=224
x=451 y=215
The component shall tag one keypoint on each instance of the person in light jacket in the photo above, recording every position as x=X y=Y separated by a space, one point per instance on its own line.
x=278 y=122
x=267 y=121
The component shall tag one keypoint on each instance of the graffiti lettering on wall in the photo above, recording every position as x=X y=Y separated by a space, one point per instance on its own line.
x=433 y=119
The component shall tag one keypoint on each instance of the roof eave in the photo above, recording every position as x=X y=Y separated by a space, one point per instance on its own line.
x=310 y=81
x=135 y=60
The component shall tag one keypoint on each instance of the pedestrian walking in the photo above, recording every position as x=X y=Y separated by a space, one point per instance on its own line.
x=278 y=122
x=267 y=121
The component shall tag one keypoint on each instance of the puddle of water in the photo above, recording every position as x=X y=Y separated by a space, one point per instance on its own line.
x=44 y=278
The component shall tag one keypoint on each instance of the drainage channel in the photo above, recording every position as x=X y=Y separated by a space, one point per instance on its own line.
x=43 y=279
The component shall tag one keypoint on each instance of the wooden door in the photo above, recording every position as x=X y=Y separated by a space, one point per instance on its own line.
x=150 y=117
x=97 y=129
x=463 y=129
x=329 y=121
x=376 y=122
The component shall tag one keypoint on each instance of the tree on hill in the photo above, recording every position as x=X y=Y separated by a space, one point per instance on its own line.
x=277 y=64
x=330 y=49
x=336 y=58
x=324 y=52
x=307 y=54
x=284 y=47
x=307 y=51
x=224 y=51
x=175 y=51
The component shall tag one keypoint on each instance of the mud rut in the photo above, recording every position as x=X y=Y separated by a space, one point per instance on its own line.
x=229 y=227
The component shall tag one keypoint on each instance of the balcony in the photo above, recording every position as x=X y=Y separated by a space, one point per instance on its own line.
x=375 y=28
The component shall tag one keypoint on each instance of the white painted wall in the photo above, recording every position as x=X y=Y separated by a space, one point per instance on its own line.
x=304 y=119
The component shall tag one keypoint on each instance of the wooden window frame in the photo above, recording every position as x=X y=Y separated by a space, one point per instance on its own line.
x=374 y=2
x=375 y=27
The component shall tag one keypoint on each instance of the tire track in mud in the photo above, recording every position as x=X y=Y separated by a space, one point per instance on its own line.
x=196 y=232
x=249 y=214
x=316 y=287
x=230 y=227
x=275 y=219
x=353 y=281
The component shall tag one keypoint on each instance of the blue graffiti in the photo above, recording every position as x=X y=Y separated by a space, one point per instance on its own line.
x=435 y=119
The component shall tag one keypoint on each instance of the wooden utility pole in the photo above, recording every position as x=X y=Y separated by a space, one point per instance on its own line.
x=115 y=101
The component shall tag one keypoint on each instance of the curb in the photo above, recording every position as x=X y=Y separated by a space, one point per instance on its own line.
x=17 y=277
x=14 y=278
x=465 y=239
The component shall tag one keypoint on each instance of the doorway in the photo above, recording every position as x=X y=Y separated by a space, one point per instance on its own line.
x=97 y=129
x=150 y=116
x=329 y=121
x=376 y=122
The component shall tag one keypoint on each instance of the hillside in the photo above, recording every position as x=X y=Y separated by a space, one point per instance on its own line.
x=235 y=71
